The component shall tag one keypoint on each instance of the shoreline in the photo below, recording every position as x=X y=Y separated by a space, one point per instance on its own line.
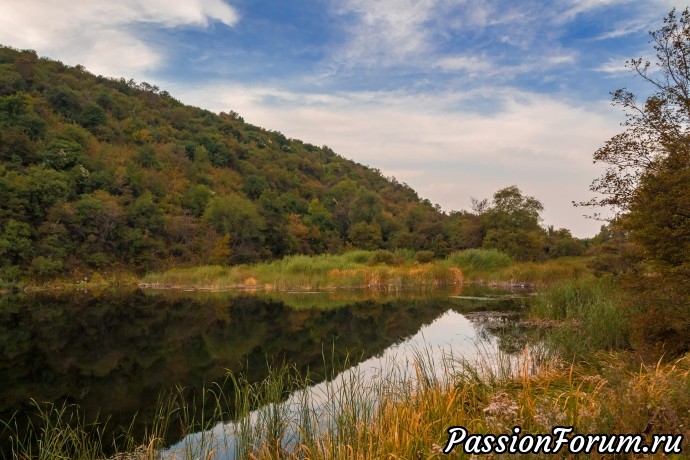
x=325 y=273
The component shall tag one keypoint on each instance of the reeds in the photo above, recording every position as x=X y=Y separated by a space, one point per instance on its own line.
x=403 y=413
x=480 y=260
x=370 y=269
x=590 y=314
x=356 y=269
x=494 y=267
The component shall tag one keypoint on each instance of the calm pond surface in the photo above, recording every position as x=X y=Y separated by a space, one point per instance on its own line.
x=113 y=354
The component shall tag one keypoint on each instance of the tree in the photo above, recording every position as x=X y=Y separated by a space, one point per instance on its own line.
x=15 y=243
x=509 y=223
x=647 y=184
x=366 y=236
x=659 y=216
x=652 y=127
x=239 y=218
x=510 y=209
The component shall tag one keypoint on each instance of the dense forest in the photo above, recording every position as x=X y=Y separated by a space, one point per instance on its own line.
x=107 y=174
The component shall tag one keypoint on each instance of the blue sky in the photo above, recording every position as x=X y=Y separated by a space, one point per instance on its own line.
x=458 y=98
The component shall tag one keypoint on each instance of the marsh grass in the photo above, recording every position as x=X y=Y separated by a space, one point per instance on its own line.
x=371 y=269
x=403 y=413
x=479 y=260
x=494 y=267
x=591 y=314
x=356 y=269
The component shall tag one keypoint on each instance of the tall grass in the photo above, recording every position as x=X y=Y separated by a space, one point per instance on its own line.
x=354 y=269
x=370 y=269
x=495 y=267
x=402 y=414
x=590 y=313
x=479 y=260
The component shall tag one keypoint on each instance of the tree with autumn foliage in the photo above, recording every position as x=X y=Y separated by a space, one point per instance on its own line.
x=647 y=184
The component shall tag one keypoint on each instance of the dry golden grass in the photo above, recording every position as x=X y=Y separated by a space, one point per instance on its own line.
x=407 y=418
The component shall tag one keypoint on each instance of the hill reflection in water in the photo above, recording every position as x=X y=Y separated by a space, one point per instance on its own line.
x=114 y=353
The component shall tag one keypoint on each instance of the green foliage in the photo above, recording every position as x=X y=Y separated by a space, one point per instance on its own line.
x=239 y=218
x=64 y=101
x=116 y=174
x=424 y=257
x=15 y=243
x=384 y=257
x=254 y=186
x=479 y=260
x=512 y=210
x=92 y=116
x=647 y=185
x=196 y=198
x=366 y=236
x=63 y=154
x=146 y=156
x=562 y=244
x=45 y=267
x=520 y=244
x=592 y=313
x=11 y=81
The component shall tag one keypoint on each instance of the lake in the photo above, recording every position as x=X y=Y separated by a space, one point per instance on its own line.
x=112 y=354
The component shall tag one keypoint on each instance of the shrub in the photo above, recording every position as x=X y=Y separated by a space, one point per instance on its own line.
x=384 y=257
x=424 y=257
x=45 y=267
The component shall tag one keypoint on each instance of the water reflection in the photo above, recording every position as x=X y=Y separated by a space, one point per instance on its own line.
x=113 y=353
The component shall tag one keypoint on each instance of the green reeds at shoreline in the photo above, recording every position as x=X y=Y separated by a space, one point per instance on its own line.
x=358 y=269
x=367 y=269
x=306 y=273
x=589 y=314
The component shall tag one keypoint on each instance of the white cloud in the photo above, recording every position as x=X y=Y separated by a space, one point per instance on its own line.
x=614 y=66
x=100 y=34
x=558 y=59
x=624 y=28
x=470 y=64
x=582 y=6
x=385 y=32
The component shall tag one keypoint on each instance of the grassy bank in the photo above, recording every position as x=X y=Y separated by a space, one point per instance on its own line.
x=357 y=269
x=395 y=416
x=494 y=267
x=367 y=269
x=379 y=270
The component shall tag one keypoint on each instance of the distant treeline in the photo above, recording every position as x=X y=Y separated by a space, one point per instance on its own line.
x=106 y=174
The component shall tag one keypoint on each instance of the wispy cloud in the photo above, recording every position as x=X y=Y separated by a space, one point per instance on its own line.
x=627 y=27
x=103 y=35
x=576 y=7
x=467 y=63
x=384 y=32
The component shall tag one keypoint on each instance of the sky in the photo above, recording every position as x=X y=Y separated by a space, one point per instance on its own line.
x=457 y=98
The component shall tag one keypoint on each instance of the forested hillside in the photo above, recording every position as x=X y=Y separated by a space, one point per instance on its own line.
x=99 y=173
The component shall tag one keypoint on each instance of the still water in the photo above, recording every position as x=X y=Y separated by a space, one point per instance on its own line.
x=112 y=354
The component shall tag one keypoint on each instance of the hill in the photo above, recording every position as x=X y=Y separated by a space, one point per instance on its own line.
x=104 y=174
x=101 y=173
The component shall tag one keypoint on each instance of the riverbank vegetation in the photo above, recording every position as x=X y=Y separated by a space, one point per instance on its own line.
x=373 y=269
x=609 y=354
